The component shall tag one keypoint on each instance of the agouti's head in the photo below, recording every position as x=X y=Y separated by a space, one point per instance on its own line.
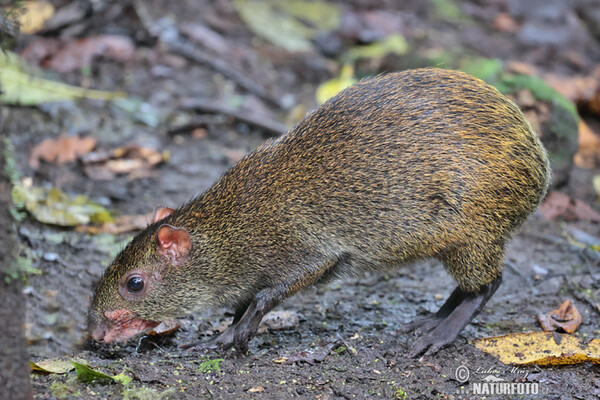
x=135 y=293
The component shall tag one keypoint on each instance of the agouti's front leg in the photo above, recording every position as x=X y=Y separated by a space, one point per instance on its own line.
x=246 y=322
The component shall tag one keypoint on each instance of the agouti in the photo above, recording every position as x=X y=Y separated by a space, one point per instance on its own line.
x=399 y=167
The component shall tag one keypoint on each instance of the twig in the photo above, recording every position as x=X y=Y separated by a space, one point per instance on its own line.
x=182 y=46
x=516 y=270
x=187 y=49
x=207 y=106
x=593 y=305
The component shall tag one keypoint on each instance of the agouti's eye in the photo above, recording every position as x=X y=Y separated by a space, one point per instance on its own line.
x=135 y=284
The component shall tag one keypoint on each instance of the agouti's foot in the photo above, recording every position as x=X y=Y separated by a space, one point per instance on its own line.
x=443 y=327
x=222 y=342
x=421 y=325
x=433 y=341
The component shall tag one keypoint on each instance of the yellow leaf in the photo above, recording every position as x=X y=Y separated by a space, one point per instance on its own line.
x=393 y=44
x=596 y=184
x=52 y=366
x=540 y=348
x=19 y=86
x=332 y=87
x=56 y=207
x=35 y=15
x=289 y=24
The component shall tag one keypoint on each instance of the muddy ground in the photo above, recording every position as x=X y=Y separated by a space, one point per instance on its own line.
x=360 y=313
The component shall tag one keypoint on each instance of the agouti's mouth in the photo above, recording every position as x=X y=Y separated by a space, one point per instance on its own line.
x=120 y=325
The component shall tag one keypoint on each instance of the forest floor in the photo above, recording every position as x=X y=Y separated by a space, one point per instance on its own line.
x=343 y=334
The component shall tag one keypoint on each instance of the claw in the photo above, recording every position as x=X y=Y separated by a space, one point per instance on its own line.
x=420 y=326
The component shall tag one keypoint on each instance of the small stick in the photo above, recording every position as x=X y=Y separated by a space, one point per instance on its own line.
x=180 y=45
x=201 y=105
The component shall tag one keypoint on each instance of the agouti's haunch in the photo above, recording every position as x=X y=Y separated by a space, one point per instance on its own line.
x=403 y=166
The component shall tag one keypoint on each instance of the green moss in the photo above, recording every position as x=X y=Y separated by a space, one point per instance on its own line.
x=144 y=393
x=12 y=173
x=209 y=365
x=448 y=10
x=486 y=69
x=399 y=393
x=538 y=88
x=65 y=389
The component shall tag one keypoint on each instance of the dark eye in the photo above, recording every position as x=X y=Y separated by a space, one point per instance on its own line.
x=135 y=284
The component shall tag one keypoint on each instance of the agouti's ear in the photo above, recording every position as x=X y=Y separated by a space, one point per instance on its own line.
x=174 y=244
x=161 y=212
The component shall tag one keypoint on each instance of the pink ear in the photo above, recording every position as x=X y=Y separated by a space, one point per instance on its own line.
x=161 y=212
x=174 y=244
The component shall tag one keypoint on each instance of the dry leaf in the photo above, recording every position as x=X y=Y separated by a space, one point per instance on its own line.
x=540 y=348
x=80 y=53
x=555 y=205
x=558 y=204
x=315 y=355
x=166 y=327
x=279 y=320
x=58 y=208
x=578 y=88
x=233 y=155
x=35 y=15
x=256 y=389
x=583 y=212
x=522 y=68
x=505 y=23
x=220 y=328
x=588 y=154
x=136 y=161
x=61 y=150
x=565 y=318
x=122 y=224
x=52 y=366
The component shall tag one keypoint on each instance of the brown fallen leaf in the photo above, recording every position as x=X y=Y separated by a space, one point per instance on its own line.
x=505 y=23
x=565 y=318
x=216 y=329
x=166 y=327
x=122 y=224
x=61 y=150
x=583 y=212
x=80 y=53
x=315 y=355
x=579 y=89
x=256 y=389
x=555 y=205
x=588 y=153
x=520 y=67
x=279 y=320
x=558 y=204
x=132 y=160
x=540 y=348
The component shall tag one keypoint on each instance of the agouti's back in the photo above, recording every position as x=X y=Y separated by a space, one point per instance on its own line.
x=398 y=167
x=403 y=166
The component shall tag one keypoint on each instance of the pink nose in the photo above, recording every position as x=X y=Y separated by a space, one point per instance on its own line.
x=99 y=332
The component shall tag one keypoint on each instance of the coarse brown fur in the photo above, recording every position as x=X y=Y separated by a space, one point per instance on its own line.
x=403 y=166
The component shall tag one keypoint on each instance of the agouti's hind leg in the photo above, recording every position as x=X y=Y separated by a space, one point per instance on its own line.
x=461 y=307
x=428 y=323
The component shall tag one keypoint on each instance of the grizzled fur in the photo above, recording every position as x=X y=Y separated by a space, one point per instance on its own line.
x=403 y=166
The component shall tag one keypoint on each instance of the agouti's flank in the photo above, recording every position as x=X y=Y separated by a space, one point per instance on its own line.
x=400 y=167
